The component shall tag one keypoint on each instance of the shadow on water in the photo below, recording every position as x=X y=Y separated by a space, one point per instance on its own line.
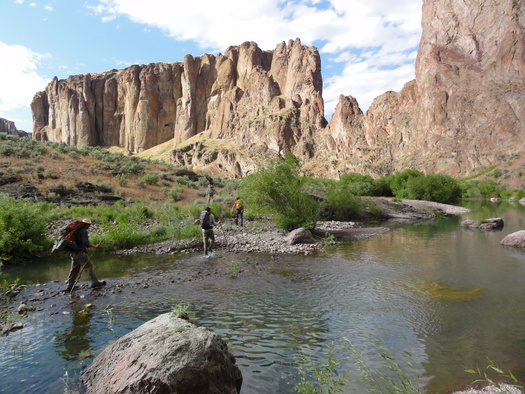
x=448 y=296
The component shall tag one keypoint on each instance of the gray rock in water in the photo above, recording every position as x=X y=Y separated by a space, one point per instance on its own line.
x=485 y=225
x=300 y=236
x=165 y=355
x=516 y=239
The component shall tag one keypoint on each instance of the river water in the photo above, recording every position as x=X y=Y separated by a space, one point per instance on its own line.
x=437 y=297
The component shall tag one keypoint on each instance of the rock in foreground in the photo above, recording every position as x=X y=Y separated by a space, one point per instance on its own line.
x=165 y=355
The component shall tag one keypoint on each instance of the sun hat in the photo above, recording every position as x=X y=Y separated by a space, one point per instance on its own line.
x=87 y=221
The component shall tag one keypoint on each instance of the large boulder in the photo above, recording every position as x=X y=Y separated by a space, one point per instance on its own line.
x=300 y=236
x=165 y=355
x=516 y=239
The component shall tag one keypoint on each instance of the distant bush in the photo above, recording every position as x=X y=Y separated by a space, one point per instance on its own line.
x=11 y=145
x=435 y=187
x=151 y=178
x=486 y=188
x=399 y=180
x=340 y=204
x=121 y=179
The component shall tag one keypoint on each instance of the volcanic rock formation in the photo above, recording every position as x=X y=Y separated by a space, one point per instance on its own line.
x=462 y=113
x=253 y=100
x=8 y=127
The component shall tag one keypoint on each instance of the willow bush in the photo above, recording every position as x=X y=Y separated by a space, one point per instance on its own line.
x=22 y=228
x=278 y=188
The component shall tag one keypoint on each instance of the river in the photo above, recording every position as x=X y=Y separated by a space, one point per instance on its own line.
x=439 y=298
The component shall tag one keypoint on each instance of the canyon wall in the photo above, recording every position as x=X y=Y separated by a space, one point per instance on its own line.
x=8 y=127
x=254 y=101
x=462 y=113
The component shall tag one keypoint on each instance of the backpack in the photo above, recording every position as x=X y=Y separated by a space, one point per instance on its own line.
x=66 y=240
x=238 y=204
x=205 y=220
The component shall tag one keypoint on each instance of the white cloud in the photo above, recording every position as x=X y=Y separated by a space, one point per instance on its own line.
x=372 y=43
x=48 y=8
x=19 y=79
x=365 y=82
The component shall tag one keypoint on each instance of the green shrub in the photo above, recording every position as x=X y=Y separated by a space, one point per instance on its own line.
x=74 y=155
x=339 y=204
x=121 y=179
x=203 y=182
x=184 y=180
x=279 y=188
x=124 y=235
x=519 y=194
x=231 y=186
x=399 y=181
x=151 y=178
x=435 y=187
x=361 y=185
x=22 y=229
x=173 y=194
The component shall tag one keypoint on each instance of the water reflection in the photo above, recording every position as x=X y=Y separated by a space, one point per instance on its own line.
x=75 y=339
x=415 y=289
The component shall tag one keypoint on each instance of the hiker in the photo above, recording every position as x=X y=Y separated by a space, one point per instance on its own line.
x=239 y=207
x=207 y=222
x=210 y=192
x=80 y=260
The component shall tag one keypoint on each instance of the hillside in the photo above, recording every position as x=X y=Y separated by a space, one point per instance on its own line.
x=53 y=172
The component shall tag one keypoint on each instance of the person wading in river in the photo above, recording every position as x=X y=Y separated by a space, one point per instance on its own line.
x=80 y=260
x=207 y=222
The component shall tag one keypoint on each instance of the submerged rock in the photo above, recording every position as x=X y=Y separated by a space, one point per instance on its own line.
x=165 y=355
x=485 y=225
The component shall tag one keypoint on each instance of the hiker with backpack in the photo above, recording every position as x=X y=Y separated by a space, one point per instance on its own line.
x=77 y=246
x=238 y=205
x=210 y=192
x=207 y=222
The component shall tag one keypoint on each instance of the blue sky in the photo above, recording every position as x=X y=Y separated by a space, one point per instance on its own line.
x=367 y=47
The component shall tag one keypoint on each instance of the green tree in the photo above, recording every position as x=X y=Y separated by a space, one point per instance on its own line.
x=278 y=188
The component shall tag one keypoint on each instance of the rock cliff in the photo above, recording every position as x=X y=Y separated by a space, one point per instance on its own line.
x=254 y=101
x=462 y=113
x=8 y=127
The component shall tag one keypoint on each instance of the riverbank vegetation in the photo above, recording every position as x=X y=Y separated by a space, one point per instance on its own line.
x=157 y=205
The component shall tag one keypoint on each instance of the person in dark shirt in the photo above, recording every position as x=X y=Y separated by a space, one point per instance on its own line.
x=80 y=260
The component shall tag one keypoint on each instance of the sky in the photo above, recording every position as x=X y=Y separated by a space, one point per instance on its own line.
x=367 y=47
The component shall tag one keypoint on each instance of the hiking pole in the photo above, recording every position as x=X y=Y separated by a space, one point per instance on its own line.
x=223 y=233
x=80 y=273
x=83 y=267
